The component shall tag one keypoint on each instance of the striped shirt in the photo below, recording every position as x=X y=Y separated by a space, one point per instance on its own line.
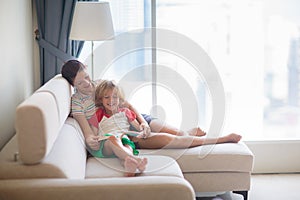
x=82 y=105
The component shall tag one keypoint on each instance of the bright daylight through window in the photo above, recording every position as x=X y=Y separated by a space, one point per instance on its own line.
x=255 y=45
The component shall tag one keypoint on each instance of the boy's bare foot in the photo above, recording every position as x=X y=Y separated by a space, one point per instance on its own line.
x=142 y=164
x=196 y=132
x=130 y=165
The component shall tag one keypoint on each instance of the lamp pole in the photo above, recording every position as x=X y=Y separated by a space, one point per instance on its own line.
x=92 y=59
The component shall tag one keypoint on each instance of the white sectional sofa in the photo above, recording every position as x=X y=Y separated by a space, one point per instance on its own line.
x=47 y=159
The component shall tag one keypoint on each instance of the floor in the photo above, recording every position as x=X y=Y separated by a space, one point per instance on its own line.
x=264 y=187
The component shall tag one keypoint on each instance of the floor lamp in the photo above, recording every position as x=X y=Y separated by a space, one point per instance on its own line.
x=92 y=21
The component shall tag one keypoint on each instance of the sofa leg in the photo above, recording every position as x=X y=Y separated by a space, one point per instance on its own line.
x=244 y=193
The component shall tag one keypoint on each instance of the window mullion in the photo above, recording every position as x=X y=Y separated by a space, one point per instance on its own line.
x=154 y=58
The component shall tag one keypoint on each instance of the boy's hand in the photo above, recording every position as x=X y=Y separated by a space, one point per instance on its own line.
x=92 y=142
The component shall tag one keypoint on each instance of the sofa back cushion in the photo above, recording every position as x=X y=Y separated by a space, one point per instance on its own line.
x=40 y=117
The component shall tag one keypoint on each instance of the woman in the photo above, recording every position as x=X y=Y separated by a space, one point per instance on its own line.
x=82 y=102
x=83 y=109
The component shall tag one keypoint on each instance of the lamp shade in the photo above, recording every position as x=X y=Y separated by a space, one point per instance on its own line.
x=92 y=21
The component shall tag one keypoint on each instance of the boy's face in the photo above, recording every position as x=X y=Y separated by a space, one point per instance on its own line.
x=83 y=83
x=111 y=101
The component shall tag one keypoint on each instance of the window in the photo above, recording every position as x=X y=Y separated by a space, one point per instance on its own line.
x=254 y=44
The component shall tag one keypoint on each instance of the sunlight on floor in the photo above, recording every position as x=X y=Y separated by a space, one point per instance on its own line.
x=267 y=186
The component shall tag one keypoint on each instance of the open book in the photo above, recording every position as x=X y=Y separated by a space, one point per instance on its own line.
x=103 y=138
x=133 y=133
x=129 y=133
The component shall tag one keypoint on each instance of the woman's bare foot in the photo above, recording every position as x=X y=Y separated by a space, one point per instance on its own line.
x=130 y=165
x=233 y=137
x=196 y=132
x=142 y=164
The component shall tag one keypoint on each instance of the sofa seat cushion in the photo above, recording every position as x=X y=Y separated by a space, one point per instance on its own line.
x=227 y=157
x=111 y=167
x=67 y=159
x=122 y=188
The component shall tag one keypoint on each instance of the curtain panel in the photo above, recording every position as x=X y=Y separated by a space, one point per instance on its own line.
x=54 y=24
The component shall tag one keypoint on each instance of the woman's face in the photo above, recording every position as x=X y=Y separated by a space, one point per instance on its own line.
x=83 y=84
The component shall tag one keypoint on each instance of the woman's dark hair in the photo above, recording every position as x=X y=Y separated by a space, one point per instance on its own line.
x=70 y=69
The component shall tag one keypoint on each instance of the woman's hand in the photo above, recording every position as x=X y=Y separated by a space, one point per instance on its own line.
x=92 y=142
x=145 y=128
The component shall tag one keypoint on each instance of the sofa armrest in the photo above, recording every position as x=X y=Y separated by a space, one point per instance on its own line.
x=67 y=159
x=133 y=188
x=40 y=117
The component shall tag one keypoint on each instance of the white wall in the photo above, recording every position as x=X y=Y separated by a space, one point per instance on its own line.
x=280 y=156
x=17 y=75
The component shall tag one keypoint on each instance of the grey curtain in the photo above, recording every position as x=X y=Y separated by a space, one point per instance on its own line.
x=54 y=24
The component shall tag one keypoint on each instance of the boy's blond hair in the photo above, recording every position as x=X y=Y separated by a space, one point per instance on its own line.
x=103 y=87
